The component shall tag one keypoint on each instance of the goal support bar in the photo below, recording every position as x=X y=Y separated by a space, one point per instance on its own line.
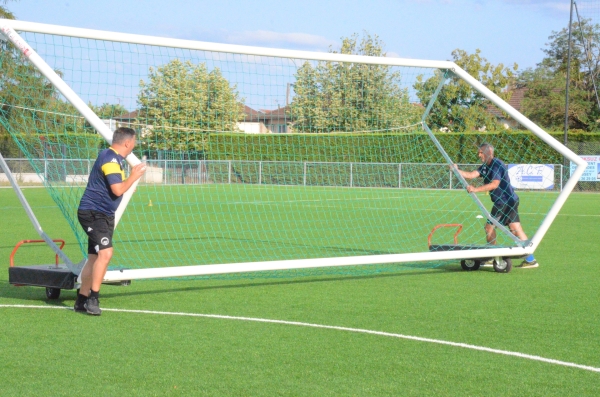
x=205 y=270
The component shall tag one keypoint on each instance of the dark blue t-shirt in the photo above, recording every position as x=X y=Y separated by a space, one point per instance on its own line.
x=107 y=170
x=497 y=171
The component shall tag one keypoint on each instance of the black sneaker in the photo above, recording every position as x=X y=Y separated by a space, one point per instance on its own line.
x=92 y=306
x=79 y=306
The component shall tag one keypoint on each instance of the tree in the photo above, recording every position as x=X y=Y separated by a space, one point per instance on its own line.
x=30 y=106
x=4 y=12
x=108 y=111
x=459 y=107
x=544 y=101
x=181 y=102
x=337 y=96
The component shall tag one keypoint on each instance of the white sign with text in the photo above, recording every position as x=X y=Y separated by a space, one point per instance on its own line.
x=592 y=171
x=531 y=176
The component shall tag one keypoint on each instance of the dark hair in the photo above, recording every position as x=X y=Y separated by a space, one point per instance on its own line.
x=122 y=134
x=486 y=146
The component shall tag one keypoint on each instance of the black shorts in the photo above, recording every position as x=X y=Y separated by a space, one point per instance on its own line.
x=99 y=227
x=506 y=214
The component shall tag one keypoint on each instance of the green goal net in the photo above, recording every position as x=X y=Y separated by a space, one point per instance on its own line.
x=266 y=160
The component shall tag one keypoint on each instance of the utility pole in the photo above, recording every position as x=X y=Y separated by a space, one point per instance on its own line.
x=568 y=76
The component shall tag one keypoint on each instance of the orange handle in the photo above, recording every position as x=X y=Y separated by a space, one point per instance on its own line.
x=457 y=225
x=20 y=243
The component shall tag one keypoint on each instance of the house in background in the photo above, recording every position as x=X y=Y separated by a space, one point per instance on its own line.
x=516 y=101
x=130 y=120
x=255 y=121
x=127 y=119
x=265 y=121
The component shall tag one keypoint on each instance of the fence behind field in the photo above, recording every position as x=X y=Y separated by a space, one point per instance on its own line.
x=284 y=173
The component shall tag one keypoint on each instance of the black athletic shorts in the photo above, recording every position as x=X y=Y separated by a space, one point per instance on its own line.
x=99 y=227
x=506 y=213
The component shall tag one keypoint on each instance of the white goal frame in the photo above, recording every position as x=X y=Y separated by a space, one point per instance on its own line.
x=8 y=29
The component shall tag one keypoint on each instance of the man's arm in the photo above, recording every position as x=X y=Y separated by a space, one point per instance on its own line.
x=136 y=173
x=484 y=188
x=467 y=174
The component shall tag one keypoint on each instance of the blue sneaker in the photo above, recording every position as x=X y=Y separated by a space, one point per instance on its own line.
x=528 y=265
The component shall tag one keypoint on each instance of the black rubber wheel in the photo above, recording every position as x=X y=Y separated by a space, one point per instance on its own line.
x=52 y=293
x=504 y=266
x=470 y=264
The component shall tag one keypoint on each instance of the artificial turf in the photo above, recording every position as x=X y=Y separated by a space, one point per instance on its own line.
x=551 y=311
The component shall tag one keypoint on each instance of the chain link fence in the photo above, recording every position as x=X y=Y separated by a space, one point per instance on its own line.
x=284 y=173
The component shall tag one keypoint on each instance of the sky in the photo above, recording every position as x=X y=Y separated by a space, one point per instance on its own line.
x=506 y=31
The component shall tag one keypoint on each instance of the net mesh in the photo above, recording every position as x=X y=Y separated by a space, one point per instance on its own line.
x=256 y=158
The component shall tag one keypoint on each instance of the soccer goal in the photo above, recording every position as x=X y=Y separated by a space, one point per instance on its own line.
x=263 y=159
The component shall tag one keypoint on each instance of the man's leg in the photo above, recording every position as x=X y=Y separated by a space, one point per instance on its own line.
x=92 y=305
x=86 y=284
x=86 y=219
x=517 y=230
x=490 y=233
x=100 y=266
x=86 y=275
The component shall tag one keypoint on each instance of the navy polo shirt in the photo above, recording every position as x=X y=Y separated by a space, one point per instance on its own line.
x=497 y=171
x=107 y=170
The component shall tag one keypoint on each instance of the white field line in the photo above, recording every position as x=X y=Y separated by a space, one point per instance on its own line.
x=336 y=328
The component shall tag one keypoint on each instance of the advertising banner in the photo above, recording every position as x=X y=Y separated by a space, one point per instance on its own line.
x=592 y=172
x=531 y=176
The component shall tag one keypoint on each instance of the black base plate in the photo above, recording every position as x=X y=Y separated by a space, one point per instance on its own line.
x=455 y=247
x=42 y=276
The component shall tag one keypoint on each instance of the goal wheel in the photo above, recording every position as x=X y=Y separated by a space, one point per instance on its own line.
x=504 y=266
x=470 y=264
x=52 y=293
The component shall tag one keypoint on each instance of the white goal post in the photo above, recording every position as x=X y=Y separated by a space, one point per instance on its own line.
x=9 y=29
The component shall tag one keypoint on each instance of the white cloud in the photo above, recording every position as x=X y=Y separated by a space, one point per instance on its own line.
x=265 y=38
x=434 y=1
x=544 y=4
x=269 y=37
x=552 y=5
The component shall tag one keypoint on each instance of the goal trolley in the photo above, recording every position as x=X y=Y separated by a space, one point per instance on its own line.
x=501 y=264
x=269 y=160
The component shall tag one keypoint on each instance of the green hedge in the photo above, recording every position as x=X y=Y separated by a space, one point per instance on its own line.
x=67 y=145
x=417 y=147
x=520 y=147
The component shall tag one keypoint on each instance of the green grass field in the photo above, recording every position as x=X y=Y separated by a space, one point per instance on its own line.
x=551 y=312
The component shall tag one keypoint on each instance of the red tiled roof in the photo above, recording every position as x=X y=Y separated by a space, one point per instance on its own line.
x=127 y=116
x=516 y=99
x=266 y=116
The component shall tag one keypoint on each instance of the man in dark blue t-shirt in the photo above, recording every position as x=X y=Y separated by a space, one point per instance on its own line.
x=96 y=214
x=506 y=202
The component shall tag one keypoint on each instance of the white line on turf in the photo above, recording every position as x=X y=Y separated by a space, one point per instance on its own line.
x=336 y=328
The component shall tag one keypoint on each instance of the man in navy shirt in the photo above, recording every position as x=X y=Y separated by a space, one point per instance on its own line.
x=506 y=202
x=96 y=214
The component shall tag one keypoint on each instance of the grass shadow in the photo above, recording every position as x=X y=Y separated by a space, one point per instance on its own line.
x=30 y=293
